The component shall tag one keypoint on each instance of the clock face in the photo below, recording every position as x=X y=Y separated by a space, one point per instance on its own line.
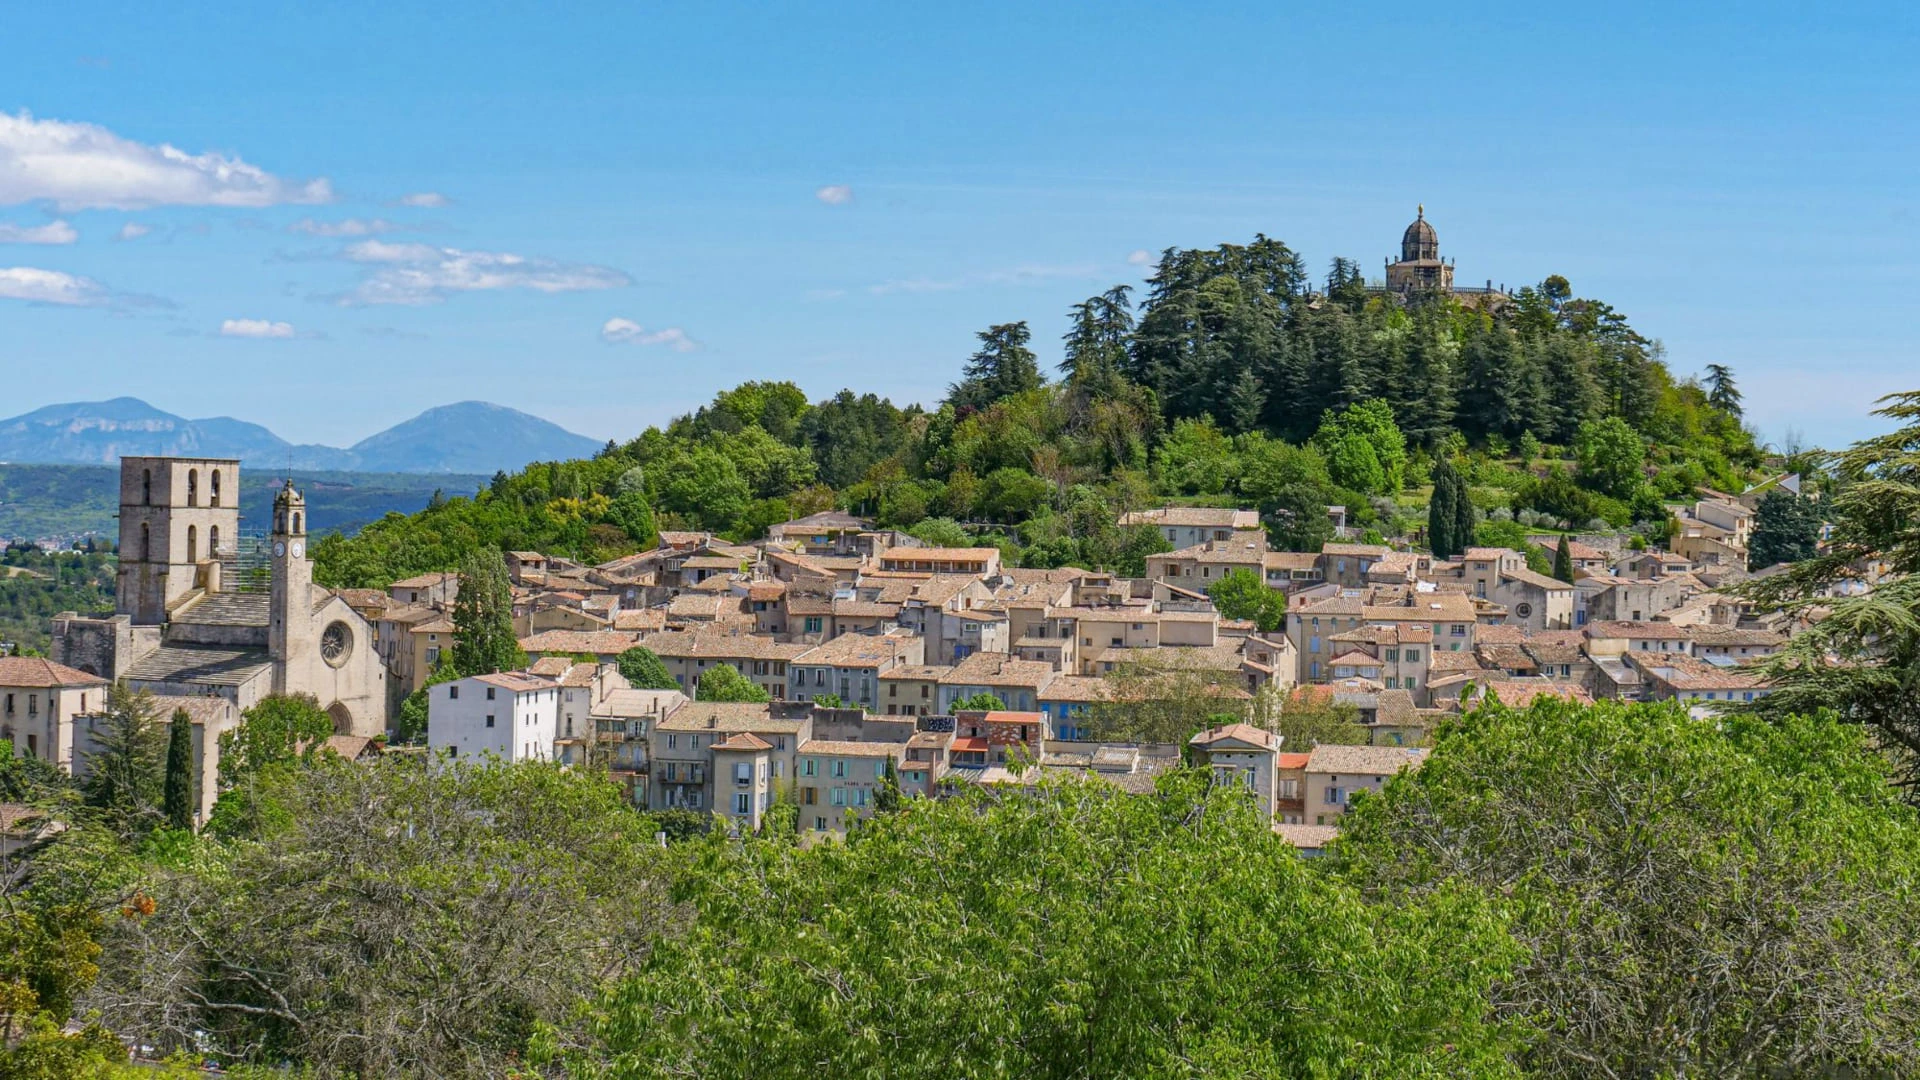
x=299 y=550
x=279 y=549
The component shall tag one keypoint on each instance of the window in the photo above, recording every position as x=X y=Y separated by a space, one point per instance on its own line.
x=839 y=767
x=489 y=693
x=1336 y=796
x=673 y=742
x=1412 y=655
x=819 y=824
x=489 y=719
x=880 y=769
x=743 y=803
x=1393 y=655
x=839 y=797
x=742 y=772
x=453 y=691
x=809 y=767
x=813 y=624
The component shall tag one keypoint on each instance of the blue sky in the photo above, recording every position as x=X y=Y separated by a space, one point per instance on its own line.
x=605 y=213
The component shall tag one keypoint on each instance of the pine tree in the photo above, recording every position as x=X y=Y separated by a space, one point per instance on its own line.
x=125 y=770
x=483 y=637
x=1721 y=393
x=1563 y=560
x=1002 y=367
x=178 y=799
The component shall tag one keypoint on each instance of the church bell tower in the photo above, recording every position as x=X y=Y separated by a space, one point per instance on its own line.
x=290 y=618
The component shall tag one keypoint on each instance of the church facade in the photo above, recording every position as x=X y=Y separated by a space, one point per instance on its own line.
x=193 y=618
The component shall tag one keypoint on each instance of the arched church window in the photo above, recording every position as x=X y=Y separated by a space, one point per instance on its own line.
x=193 y=544
x=296 y=523
x=193 y=487
x=213 y=491
x=213 y=540
x=146 y=487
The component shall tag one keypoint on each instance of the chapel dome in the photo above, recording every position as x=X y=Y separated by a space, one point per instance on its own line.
x=1419 y=241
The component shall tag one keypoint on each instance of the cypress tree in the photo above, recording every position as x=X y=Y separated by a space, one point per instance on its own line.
x=1563 y=561
x=1463 y=533
x=483 y=637
x=1440 y=512
x=178 y=793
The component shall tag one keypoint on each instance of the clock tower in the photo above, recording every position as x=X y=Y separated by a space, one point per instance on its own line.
x=290 y=618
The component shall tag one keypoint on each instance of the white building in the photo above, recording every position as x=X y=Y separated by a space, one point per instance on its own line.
x=514 y=717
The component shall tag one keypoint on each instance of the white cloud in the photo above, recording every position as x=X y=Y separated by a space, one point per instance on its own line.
x=133 y=230
x=424 y=200
x=1019 y=275
x=1142 y=257
x=349 y=227
x=37 y=286
x=628 y=332
x=53 y=232
x=255 y=328
x=835 y=194
x=85 y=166
x=424 y=274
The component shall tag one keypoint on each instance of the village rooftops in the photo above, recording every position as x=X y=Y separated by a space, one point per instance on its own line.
x=743 y=742
x=598 y=642
x=1361 y=551
x=843 y=748
x=1651 y=631
x=683 y=644
x=516 y=682
x=424 y=581
x=727 y=716
x=856 y=650
x=997 y=669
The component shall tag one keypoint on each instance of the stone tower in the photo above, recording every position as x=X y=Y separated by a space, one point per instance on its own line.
x=1420 y=267
x=290 y=611
x=177 y=515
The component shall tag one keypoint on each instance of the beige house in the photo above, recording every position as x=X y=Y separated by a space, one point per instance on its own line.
x=836 y=781
x=39 y=702
x=681 y=762
x=764 y=661
x=1447 y=618
x=1186 y=526
x=849 y=667
x=911 y=689
x=1334 y=773
x=1196 y=567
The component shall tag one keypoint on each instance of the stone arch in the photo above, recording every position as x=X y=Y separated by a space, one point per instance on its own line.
x=193 y=487
x=296 y=522
x=342 y=718
x=213 y=539
x=193 y=544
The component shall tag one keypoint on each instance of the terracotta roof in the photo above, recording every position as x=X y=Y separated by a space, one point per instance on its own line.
x=1630 y=630
x=843 y=748
x=725 y=716
x=598 y=642
x=1290 y=761
x=743 y=741
x=1194 y=516
x=1307 y=837
x=34 y=671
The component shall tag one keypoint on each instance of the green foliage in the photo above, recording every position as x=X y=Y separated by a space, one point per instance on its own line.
x=126 y=772
x=410 y=726
x=1308 y=716
x=679 y=823
x=1002 y=368
x=981 y=702
x=1241 y=594
x=1700 y=899
x=644 y=670
x=483 y=637
x=1786 y=528
x=722 y=682
x=1611 y=455
x=1563 y=560
x=1364 y=448
x=36 y=585
x=1862 y=659
x=1093 y=933
x=277 y=730
x=395 y=920
x=1443 y=511
x=177 y=793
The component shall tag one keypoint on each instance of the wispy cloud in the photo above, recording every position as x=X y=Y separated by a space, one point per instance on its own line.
x=628 y=332
x=53 y=232
x=84 y=166
x=392 y=332
x=425 y=274
x=349 y=227
x=256 y=328
x=835 y=194
x=36 y=286
x=1142 y=257
x=133 y=230
x=424 y=200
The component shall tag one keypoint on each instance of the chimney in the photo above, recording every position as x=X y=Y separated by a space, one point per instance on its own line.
x=713 y=721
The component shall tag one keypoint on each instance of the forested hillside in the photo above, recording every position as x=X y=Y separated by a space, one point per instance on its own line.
x=1233 y=379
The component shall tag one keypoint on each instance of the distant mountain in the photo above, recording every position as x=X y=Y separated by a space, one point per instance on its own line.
x=470 y=437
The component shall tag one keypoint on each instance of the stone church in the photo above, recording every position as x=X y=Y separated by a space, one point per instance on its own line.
x=1420 y=268
x=198 y=613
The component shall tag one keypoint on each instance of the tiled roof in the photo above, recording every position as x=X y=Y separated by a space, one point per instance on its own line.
x=1245 y=733
x=1363 y=760
x=1194 y=517
x=842 y=748
x=208 y=665
x=599 y=642
x=34 y=671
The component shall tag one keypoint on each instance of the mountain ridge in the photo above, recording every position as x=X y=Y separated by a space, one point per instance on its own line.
x=467 y=437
